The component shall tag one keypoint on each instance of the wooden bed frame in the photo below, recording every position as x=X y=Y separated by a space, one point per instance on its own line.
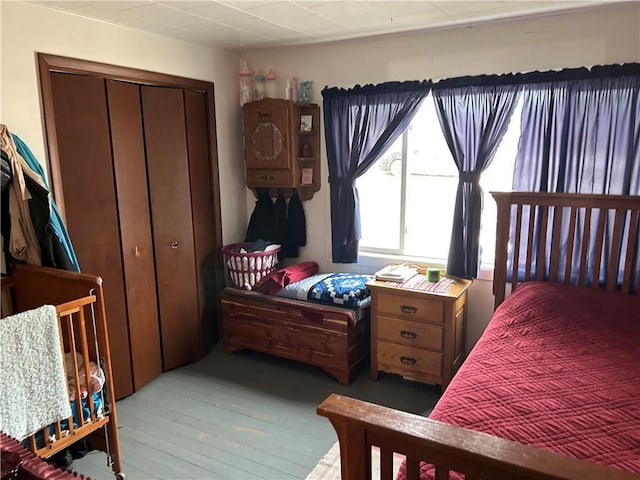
x=79 y=302
x=361 y=425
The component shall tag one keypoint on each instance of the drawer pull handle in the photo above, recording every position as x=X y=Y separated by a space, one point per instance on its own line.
x=408 y=334
x=408 y=309
x=267 y=177
x=408 y=360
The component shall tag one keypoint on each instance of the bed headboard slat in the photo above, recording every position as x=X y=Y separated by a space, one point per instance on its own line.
x=602 y=216
x=543 y=242
x=570 y=244
x=597 y=247
x=530 y=236
x=633 y=240
x=618 y=228
x=555 y=244
x=516 y=246
x=585 y=247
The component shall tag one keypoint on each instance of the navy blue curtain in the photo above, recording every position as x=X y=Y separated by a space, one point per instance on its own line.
x=581 y=135
x=360 y=124
x=474 y=120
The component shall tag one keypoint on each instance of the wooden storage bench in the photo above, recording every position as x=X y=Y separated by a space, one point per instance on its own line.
x=332 y=338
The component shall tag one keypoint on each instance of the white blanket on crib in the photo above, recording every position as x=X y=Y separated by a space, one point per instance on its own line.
x=33 y=386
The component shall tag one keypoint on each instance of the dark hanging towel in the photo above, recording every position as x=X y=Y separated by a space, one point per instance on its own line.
x=280 y=223
x=296 y=227
x=261 y=225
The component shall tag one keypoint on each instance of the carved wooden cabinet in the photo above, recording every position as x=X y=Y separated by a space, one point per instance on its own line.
x=282 y=146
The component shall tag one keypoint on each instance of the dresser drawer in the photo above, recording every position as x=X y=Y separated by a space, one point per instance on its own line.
x=268 y=177
x=409 y=362
x=410 y=307
x=407 y=332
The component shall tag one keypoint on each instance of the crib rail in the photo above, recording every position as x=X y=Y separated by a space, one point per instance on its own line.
x=79 y=301
x=73 y=328
x=361 y=425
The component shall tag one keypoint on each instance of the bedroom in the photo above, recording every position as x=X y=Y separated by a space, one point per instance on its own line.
x=605 y=35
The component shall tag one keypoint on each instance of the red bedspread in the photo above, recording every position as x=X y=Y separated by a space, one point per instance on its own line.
x=558 y=367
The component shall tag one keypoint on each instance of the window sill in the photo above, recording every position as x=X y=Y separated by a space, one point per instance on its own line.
x=373 y=262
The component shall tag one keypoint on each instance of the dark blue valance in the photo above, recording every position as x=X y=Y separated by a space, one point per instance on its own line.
x=371 y=89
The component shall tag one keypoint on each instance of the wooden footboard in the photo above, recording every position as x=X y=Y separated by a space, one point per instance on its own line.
x=361 y=425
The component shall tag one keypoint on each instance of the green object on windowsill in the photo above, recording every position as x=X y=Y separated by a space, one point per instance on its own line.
x=433 y=274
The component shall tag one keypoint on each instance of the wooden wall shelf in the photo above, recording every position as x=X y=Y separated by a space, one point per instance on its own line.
x=274 y=144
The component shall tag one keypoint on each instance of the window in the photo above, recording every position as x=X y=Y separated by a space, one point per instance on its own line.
x=407 y=198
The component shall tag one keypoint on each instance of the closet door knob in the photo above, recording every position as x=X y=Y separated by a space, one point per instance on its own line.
x=174 y=245
x=138 y=251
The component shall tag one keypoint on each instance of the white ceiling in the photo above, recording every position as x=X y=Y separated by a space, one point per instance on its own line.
x=243 y=25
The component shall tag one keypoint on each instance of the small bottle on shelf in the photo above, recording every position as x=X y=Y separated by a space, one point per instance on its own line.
x=294 y=89
x=287 y=89
x=305 y=150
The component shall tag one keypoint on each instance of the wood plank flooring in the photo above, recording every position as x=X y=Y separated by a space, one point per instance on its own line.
x=241 y=416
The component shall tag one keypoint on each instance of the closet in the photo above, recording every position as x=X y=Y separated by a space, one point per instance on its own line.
x=134 y=168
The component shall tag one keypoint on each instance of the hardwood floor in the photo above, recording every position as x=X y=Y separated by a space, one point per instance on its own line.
x=240 y=416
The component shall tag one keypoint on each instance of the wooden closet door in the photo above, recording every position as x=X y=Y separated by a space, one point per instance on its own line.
x=86 y=171
x=202 y=204
x=163 y=113
x=125 y=119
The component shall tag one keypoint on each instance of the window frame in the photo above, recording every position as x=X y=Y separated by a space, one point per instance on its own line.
x=379 y=257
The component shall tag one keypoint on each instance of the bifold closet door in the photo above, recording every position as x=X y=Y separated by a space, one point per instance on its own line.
x=202 y=205
x=86 y=169
x=125 y=119
x=163 y=111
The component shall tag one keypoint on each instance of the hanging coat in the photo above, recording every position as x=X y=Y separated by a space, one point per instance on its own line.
x=57 y=249
x=5 y=221
x=261 y=222
x=23 y=241
x=36 y=236
x=280 y=224
x=296 y=227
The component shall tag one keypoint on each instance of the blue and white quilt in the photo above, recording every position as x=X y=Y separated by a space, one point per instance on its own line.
x=338 y=289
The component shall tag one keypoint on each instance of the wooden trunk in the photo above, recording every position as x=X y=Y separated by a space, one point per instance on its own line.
x=332 y=338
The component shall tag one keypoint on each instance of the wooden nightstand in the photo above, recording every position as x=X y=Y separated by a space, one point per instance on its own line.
x=417 y=333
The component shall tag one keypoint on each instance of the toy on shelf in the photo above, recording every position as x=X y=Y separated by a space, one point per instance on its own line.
x=246 y=89
x=304 y=92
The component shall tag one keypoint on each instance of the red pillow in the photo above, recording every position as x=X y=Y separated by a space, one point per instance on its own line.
x=282 y=277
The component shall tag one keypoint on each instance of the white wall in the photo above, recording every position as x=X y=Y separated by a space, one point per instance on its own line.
x=598 y=36
x=28 y=29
